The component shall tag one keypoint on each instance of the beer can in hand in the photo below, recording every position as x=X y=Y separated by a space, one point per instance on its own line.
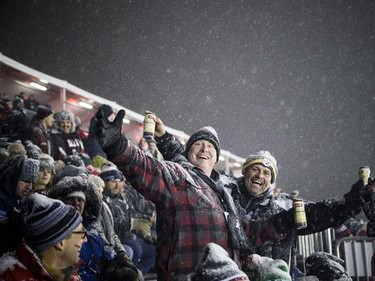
x=299 y=214
x=364 y=174
x=149 y=124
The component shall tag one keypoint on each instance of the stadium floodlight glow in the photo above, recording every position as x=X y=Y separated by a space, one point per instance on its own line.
x=85 y=105
x=236 y=164
x=43 y=81
x=38 y=86
x=221 y=158
x=126 y=121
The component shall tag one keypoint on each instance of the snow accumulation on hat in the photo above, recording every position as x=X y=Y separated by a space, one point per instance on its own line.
x=207 y=133
x=215 y=264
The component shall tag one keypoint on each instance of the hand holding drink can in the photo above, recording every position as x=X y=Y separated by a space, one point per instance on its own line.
x=149 y=124
x=299 y=213
x=364 y=174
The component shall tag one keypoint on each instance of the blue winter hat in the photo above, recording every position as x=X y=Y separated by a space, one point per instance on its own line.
x=48 y=221
x=16 y=101
x=110 y=172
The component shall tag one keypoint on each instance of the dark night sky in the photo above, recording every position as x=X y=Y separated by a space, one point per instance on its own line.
x=296 y=78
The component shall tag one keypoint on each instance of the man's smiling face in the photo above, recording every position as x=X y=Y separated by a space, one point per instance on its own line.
x=65 y=126
x=257 y=179
x=203 y=155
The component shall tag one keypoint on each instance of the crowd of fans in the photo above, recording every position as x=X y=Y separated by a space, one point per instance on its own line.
x=136 y=208
x=119 y=222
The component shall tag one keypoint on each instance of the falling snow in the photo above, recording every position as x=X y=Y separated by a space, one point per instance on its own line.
x=292 y=77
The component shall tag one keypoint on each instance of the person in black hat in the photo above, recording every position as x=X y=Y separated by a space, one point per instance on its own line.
x=52 y=244
x=44 y=119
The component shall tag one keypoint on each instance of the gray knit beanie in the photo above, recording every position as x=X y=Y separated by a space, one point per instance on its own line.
x=30 y=170
x=47 y=162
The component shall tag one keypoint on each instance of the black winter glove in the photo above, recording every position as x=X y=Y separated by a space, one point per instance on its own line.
x=120 y=268
x=358 y=195
x=369 y=209
x=150 y=239
x=109 y=134
x=124 y=258
x=284 y=221
x=371 y=229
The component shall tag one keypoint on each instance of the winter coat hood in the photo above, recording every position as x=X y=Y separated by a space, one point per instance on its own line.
x=68 y=185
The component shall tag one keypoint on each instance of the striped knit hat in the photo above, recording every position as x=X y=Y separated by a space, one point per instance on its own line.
x=48 y=221
x=264 y=158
